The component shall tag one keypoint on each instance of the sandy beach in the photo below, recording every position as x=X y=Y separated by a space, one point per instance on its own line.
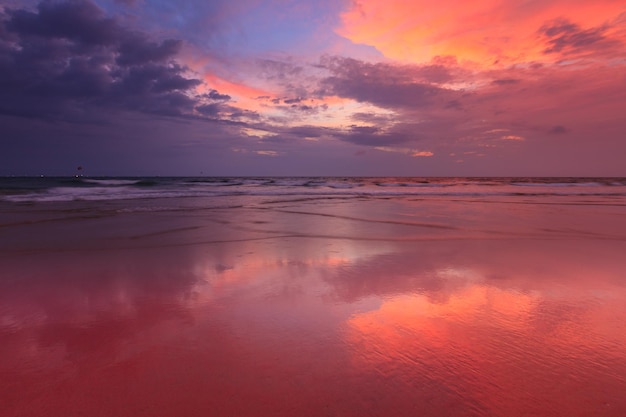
x=335 y=306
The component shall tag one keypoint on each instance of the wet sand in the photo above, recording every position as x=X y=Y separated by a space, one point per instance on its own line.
x=313 y=307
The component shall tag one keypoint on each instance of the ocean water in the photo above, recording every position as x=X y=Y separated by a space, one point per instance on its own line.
x=355 y=297
x=49 y=189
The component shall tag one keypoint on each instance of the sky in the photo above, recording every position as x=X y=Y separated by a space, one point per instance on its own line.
x=326 y=87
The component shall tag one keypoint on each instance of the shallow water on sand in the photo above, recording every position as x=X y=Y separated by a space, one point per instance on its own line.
x=290 y=305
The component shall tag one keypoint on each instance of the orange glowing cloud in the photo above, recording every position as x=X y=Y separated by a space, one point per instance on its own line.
x=513 y=137
x=244 y=94
x=484 y=32
x=272 y=102
x=422 y=153
x=406 y=151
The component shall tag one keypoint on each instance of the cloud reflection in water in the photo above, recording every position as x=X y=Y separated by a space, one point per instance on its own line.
x=309 y=326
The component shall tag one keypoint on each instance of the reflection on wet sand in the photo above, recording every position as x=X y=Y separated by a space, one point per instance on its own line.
x=309 y=326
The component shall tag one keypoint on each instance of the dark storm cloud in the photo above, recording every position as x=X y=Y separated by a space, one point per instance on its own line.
x=77 y=20
x=384 y=84
x=505 y=81
x=373 y=136
x=153 y=78
x=237 y=114
x=213 y=105
x=558 y=130
x=211 y=110
x=309 y=131
x=376 y=119
x=226 y=114
x=136 y=50
x=215 y=95
x=64 y=60
x=293 y=106
x=454 y=105
x=563 y=36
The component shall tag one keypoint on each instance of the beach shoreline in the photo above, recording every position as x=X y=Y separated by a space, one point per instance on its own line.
x=314 y=305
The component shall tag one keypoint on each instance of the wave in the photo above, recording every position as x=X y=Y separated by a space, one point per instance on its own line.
x=111 y=182
x=563 y=184
x=93 y=189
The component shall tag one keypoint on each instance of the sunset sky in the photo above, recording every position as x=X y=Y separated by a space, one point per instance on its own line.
x=326 y=87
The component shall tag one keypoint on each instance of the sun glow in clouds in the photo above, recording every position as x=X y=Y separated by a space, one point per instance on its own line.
x=486 y=32
x=407 y=151
x=408 y=77
x=267 y=153
x=513 y=137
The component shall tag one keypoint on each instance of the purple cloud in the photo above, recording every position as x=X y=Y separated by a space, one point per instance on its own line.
x=80 y=21
x=383 y=84
x=66 y=56
x=563 y=36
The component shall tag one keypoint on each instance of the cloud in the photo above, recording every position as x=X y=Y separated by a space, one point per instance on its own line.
x=65 y=60
x=211 y=110
x=81 y=21
x=138 y=50
x=267 y=153
x=558 y=130
x=484 y=33
x=373 y=118
x=505 y=81
x=309 y=131
x=513 y=137
x=272 y=69
x=383 y=84
x=127 y=2
x=422 y=153
x=215 y=95
x=374 y=136
x=406 y=151
x=563 y=36
x=479 y=89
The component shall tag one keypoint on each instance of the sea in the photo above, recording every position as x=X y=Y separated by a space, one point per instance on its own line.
x=61 y=189
x=312 y=296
